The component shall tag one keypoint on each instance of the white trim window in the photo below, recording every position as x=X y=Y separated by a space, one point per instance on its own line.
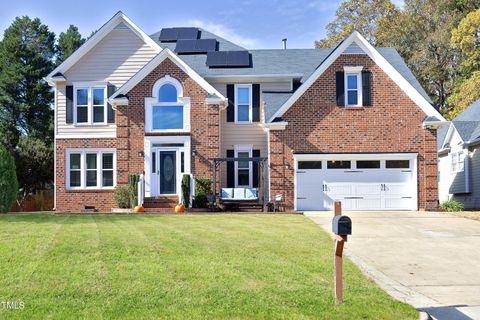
x=458 y=161
x=353 y=86
x=90 y=169
x=243 y=169
x=243 y=103
x=167 y=110
x=90 y=103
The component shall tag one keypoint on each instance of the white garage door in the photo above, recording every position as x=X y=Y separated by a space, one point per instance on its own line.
x=361 y=184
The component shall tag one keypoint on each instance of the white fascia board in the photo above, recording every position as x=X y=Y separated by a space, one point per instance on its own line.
x=449 y=135
x=356 y=156
x=123 y=101
x=356 y=37
x=275 y=125
x=434 y=124
x=97 y=37
x=159 y=58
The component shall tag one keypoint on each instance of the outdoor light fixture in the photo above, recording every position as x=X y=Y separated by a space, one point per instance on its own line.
x=194 y=153
x=141 y=154
x=287 y=166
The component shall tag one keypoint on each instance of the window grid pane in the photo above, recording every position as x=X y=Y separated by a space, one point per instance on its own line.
x=352 y=82
x=82 y=97
x=243 y=96
x=167 y=117
x=243 y=178
x=243 y=113
x=352 y=97
x=167 y=93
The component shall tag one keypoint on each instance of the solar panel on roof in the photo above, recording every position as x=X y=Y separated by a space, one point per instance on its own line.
x=196 y=46
x=168 y=34
x=174 y=34
x=217 y=59
x=238 y=58
x=206 y=45
x=187 y=33
x=228 y=59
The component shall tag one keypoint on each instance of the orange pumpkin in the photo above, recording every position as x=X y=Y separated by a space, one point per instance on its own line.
x=179 y=208
x=138 y=209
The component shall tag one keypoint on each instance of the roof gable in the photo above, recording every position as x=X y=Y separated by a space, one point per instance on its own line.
x=157 y=60
x=379 y=59
x=118 y=19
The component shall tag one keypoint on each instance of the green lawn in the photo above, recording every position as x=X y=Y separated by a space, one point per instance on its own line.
x=187 y=266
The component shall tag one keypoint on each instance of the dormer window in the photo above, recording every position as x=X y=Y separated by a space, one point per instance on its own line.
x=167 y=110
x=353 y=86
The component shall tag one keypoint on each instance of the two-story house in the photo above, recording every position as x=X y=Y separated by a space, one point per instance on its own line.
x=349 y=123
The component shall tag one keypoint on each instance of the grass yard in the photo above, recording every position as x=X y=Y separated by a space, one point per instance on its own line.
x=188 y=266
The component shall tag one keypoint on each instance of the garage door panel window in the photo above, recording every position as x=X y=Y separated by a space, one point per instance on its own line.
x=336 y=164
x=368 y=164
x=397 y=164
x=310 y=165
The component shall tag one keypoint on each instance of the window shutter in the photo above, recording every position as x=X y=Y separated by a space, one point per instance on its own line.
x=230 y=169
x=255 y=154
x=367 y=88
x=340 y=88
x=69 y=111
x=110 y=112
x=231 y=103
x=255 y=102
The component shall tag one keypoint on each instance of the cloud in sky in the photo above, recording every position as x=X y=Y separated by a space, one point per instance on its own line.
x=225 y=32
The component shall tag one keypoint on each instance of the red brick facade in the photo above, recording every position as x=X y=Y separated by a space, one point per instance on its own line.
x=316 y=124
x=130 y=121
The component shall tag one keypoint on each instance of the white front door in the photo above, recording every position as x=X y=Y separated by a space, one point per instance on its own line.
x=384 y=184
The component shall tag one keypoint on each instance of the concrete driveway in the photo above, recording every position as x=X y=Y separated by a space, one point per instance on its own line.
x=430 y=260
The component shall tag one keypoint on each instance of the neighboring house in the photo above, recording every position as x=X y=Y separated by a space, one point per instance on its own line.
x=459 y=158
x=349 y=123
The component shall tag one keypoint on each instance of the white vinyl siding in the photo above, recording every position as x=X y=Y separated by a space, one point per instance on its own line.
x=115 y=60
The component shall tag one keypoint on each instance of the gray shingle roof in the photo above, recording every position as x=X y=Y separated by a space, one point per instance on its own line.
x=466 y=123
x=273 y=101
x=441 y=135
x=279 y=61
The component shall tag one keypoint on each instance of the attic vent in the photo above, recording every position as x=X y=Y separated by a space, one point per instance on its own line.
x=174 y=34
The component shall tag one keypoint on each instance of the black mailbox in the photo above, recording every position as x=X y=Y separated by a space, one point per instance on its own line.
x=342 y=225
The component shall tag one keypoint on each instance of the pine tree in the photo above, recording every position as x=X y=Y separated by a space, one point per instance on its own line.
x=26 y=54
x=68 y=42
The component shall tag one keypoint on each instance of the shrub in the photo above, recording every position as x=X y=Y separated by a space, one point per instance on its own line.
x=8 y=180
x=203 y=187
x=451 y=206
x=133 y=180
x=122 y=196
x=186 y=190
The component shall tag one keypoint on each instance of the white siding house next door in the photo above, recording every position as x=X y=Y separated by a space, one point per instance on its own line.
x=359 y=181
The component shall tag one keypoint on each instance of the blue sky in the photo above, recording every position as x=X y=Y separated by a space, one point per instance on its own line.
x=253 y=24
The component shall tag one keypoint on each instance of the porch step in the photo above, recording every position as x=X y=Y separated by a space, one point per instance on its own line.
x=160 y=203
